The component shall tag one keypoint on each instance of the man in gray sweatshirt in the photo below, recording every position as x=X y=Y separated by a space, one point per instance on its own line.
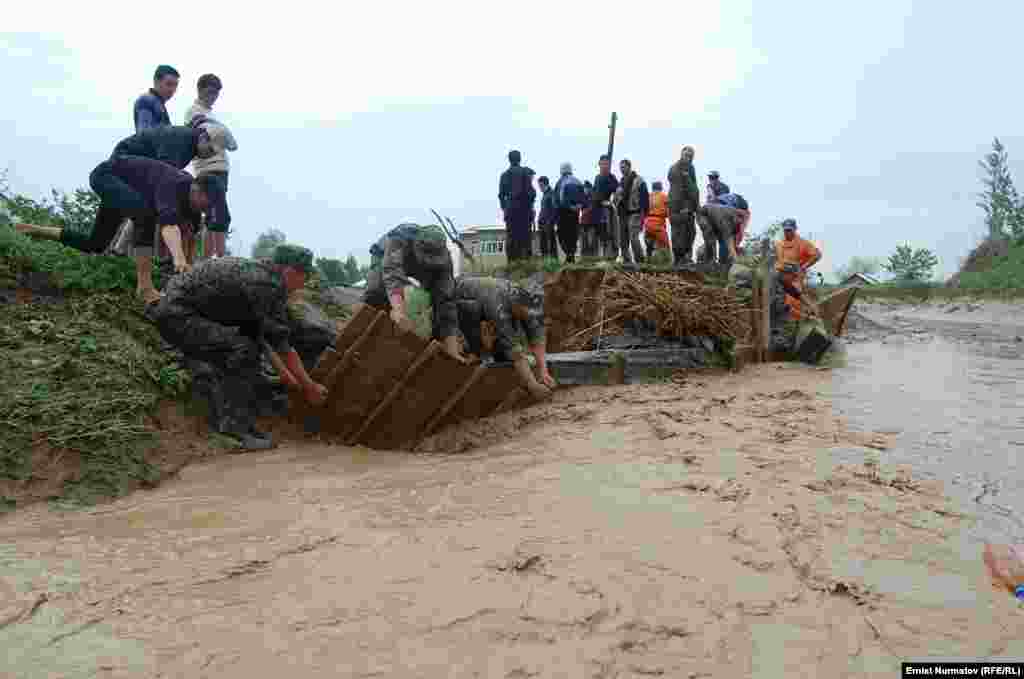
x=209 y=87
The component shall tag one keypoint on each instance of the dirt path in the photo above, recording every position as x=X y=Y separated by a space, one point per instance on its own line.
x=692 y=530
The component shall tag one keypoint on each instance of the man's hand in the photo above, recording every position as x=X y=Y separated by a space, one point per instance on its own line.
x=316 y=393
x=539 y=392
x=181 y=266
x=398 y=315
x=546 y=379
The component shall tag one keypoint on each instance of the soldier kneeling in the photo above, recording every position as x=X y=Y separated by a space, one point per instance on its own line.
x=222 y=315
x=513 y=310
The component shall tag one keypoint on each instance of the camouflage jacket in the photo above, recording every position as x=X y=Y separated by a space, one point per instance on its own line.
x=494 y=297
x=311 y=330
x=238 y=292
x=409 y=251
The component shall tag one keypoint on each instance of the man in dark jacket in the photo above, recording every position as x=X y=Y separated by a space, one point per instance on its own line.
x=222 y=316
x=683 y=201
x=150 y=108
x=605 y=186
x=175 y=145
x=547 y=219
x=569 y=199
x=154 y=195
x=633 y=205
x=516 y=196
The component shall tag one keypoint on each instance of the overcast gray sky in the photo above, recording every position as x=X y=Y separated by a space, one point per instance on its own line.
x=864 y=121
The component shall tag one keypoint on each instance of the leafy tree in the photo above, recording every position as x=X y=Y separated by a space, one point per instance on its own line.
x=858 y=264
x=352 y=273
x=332 y=271
x=265 y=243
x=908 y=264
x=1004 y=211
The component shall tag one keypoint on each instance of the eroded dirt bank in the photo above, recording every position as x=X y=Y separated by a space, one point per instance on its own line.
x=681 y=530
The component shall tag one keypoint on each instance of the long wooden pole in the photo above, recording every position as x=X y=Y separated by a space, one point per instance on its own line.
x=611 y=135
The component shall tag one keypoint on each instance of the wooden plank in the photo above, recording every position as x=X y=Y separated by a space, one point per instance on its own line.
x=371 y=375
x=350 y=353
x=363 y=316
x=432 y=348
x=328 y=359
x=486 y=395
x=767 y=286
x=454 y=399
x=423 y=396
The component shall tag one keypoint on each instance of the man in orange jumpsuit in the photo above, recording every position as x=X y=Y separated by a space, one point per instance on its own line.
x=793 y=257
x=655 y=231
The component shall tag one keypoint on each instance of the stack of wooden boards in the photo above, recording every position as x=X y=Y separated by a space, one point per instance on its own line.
x=388 y=388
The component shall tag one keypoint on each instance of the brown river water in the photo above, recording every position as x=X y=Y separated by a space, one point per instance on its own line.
x=704 y=528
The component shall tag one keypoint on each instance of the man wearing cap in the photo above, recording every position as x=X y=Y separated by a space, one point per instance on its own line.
x=515 y=311
x=716 y=187
x=794 y=256
x=153 y=194
x=683 y=201
x=200 y=114
x=420 y=252
x=222 y=315
x=150 y=108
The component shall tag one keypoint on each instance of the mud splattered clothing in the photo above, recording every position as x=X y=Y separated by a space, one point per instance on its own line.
x=719 y=224
x=420 y=252
x=311 y=331
x=481 y=299
x=217 y=314
x=683 y=201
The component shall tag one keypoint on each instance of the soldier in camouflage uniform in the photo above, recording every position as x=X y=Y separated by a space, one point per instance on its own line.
x=311 y=331
x=719 y=224
x=420 y=252
x=514 y=311
x=219 y=315
x=683 y=201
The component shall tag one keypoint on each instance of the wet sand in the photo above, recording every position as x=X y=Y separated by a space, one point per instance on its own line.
x=679 y=530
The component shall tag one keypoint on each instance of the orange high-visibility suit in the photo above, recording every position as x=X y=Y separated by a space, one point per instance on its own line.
x=657 y=218
x=801 y=253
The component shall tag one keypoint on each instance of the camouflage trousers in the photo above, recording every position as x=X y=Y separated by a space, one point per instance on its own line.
x=225 y=363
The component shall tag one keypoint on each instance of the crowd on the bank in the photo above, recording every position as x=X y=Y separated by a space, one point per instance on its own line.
x=620 y=217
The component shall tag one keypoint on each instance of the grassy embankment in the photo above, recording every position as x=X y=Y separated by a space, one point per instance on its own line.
x=83 y=373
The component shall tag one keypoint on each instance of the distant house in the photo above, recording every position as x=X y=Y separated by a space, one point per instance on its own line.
x=487 y=245
x=861 y=279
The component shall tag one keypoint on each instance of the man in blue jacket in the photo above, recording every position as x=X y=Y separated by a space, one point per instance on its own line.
x=150 y=108
x=569 y=198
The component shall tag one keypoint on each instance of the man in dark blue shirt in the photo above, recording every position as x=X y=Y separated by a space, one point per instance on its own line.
x=150 y=108
x=516 y=195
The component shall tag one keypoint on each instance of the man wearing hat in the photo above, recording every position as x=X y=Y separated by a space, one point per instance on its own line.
x=716 y=187
x=420 y=252
x=222 y=315
x=515 y=311
x=154 y=195
x=794 y=256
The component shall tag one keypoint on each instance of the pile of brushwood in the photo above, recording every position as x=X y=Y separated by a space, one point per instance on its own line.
x=675 y=307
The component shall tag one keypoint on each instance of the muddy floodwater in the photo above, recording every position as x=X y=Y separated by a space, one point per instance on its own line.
x=728 y=525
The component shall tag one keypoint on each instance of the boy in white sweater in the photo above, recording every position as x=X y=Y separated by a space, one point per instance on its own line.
x=209 y=87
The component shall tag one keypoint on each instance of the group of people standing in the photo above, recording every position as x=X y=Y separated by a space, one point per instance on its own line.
x=144 y=189
x=620 y=217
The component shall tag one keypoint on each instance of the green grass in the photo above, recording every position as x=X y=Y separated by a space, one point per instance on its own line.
x=1005 y=274
x=81 y=371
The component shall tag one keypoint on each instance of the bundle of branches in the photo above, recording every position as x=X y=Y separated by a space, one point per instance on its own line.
x=678 y=308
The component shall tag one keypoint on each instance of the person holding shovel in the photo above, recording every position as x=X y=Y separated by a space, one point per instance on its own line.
x=222 y=315
x=514 y=311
